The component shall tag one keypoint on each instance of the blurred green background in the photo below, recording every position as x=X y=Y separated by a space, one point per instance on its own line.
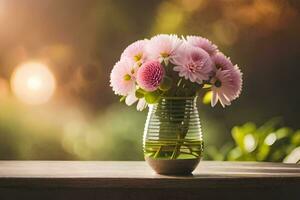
x=79 y=42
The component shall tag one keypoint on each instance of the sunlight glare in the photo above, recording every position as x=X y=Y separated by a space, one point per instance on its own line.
x=33 y=83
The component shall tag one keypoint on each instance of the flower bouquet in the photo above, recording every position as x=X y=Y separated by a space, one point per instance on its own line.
x=167 y=73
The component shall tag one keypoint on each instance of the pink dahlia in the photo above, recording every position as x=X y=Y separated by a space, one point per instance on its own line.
x=163 y=47
x=150 y=75
x=226 y=86
x=202 y=43
x=122 y=77
x=136 y=51
x=222 y=62
x=193 y=64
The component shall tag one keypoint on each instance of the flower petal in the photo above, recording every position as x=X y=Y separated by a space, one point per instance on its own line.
x=141 y=105
x=214 y=99
x=130 y=99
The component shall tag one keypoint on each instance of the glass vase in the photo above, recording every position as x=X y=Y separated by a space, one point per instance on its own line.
x=172 y=136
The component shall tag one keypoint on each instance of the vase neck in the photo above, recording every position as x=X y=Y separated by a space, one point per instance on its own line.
x=167 y=103
x=178 y=100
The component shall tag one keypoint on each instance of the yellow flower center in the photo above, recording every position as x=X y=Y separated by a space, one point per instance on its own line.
x=164 y=55
x=137 y=57
x=127 y=77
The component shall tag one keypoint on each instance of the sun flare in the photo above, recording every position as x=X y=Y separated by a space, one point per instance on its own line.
x=33 y=83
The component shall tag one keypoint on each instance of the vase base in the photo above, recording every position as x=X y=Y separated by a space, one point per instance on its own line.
x=173 y=167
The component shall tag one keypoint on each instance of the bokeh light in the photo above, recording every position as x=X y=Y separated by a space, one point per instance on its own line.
x=169 y=18
x=33 y=83
x=249 y=143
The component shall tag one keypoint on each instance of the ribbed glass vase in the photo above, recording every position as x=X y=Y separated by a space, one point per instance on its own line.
x=172 y=136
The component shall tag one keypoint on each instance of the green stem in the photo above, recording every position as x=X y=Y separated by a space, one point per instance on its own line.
x=177 y=147
x=158 y=151
x=193 y=154
x=175 y=151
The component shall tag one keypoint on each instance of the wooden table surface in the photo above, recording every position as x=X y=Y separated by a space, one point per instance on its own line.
x=135 y=180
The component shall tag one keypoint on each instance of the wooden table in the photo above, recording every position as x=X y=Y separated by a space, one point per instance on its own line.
x=135 y=180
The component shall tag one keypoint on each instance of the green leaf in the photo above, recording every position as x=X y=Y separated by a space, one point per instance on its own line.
x=263 y=152
x=152 y=97
x=234 y=154
x=277 y=155
x=293 y=156
x=207 y=97
x=122 y=98
x=239 y=133
x=166 y=84
x=296 y=138
x=139 y=93
x=283 y=132
x=268 y=127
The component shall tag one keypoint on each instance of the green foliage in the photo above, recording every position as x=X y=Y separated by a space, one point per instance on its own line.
x=139 y=93
x=68 y=134
x=122 y=98
x=166 y=84
x=269 y=142
x=152 y=97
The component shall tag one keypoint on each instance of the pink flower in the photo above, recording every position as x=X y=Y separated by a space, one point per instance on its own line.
x=122 y=77
x=222 y=62
x=122 y=80
x=163 y=47
x=193 y=63
x=226 y=86
x=136 y=51
x=150 y=75
x=202 y=43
